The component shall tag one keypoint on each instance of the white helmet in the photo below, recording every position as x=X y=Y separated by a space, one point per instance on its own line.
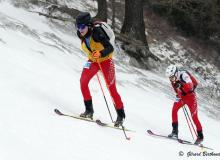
x=171 y=70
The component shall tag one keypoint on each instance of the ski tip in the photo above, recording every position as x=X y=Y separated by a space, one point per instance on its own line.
x=57 y=112
x=149 y=132
x=202 y=146
x=181 y=141
x=98 y=120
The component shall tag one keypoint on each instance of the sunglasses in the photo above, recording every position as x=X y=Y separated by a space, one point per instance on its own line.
x=80 y=26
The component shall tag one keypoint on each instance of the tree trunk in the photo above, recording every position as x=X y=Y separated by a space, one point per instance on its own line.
x=134 y=26
x=113 y=14
x=102 y=10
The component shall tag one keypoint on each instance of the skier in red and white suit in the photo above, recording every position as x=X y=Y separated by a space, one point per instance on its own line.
x=184 y=85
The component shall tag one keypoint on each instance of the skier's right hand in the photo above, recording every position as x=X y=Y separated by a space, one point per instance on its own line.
x=96 y=54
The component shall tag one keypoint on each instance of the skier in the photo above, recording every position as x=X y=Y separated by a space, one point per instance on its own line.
x=184 y=85
x=99 y=50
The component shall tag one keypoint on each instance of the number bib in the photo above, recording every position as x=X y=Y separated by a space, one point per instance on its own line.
x=87 y=65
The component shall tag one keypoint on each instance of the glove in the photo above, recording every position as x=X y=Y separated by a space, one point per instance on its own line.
x=179 y=93
x=177 y=85
x=96 y=54
x=177 y=99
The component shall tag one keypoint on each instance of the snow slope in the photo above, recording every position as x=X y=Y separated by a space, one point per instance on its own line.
x=40 y=67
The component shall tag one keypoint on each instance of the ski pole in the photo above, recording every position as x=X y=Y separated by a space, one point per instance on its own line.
x=123 y=128
x=128 y=138
x=188 y=122
x=104 y=97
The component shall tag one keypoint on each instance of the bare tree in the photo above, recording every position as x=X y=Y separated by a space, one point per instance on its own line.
x=113 y=14
x=102 y=10
x=194 y=17
x=134 y=37
x=134 y=26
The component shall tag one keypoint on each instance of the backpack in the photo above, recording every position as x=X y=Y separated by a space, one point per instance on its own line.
x=107 y=30
x=194 y=80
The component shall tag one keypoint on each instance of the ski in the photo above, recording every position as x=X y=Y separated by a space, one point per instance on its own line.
x=58 y=112
x=162 y=136
x=199 y=145
x=100 y=123
x=179 y=140
x=97 y=121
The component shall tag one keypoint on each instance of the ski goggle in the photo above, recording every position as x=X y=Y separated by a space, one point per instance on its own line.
x=80 y=26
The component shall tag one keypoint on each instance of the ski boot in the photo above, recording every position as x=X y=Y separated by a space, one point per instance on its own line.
x=89 y=110
x=199 y=138
x=120 y=117
x=174 y=133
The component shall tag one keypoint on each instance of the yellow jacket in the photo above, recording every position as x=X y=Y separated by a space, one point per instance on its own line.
x=95 y=46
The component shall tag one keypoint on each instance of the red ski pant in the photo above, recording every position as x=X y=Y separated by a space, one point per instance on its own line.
x=191 y=102
x=108 y=69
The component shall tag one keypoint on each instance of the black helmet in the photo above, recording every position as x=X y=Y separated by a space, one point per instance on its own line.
x=83 y=18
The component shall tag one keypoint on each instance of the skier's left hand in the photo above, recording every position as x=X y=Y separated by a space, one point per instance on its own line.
x=177 y=98
x=177 y=85
x=96 y=54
